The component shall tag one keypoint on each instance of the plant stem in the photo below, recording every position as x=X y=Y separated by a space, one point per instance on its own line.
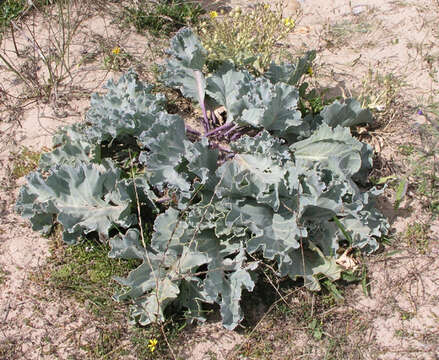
x=228 y=132
x=213 y=117
x=14 y=70
x=13 y=38
x=192 y=130
x=224 y=127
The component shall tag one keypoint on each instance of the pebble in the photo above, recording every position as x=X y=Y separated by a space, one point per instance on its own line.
x=357 y=10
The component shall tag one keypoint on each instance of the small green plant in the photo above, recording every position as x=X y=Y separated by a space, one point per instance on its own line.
x=314 y=102
x=423 y=164
x=315 y=328
x=402 y=333
x=9 y=10
x=417 y=237
x=334 y=293
x=427 y=181
x=3 y=275
x=248 y=38
x=163 y=17
x=379 y=92
x=398 y=183
x=116 y=59
x=9 y=348
x=407 y=315
x=24 y=161
x=406 y=150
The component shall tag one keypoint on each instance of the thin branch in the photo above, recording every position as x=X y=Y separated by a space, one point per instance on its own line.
x=13 y=38
x=167 y=341
x=271 y=282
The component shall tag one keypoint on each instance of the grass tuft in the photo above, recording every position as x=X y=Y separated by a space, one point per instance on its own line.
x=24 y=161
x=417 y=237
x=3 y=275
x=163 y=17
x=86 y=272
x=10 y=10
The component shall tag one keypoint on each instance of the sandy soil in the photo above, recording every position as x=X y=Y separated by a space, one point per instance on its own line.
x=354 y=39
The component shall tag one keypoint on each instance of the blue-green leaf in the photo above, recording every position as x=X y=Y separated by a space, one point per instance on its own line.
x=82 y=199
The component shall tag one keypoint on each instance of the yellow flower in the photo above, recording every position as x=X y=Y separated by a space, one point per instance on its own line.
x=288 y=22
x=310 y=71
x=213 y=14
x=116 y=50
x=152 y=344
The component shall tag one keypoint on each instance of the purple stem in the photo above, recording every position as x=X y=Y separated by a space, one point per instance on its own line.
x=213 y=117
x=192 y=131
x=236 y=136
x=199 y=79
x=205 y=119
x=224 y=127
x=228 y=132
x=242 y=131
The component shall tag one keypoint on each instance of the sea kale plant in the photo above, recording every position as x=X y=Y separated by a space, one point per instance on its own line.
x=265 y=182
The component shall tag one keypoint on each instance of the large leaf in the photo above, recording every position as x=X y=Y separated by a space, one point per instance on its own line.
x=168 y=231
x=310 y=264
x=253 y=176
x=334 y=149
x=83 y=199
x=70 y=133
x=187 y=49
x=155 y=283
x=127 y=246
x=273 y=233
x=228 y=88
x=290 y=73
x=228 y=273
x=274 y=107
x=184 y=68
x=321 y=194
x=71 y=147
x=364 y=222
x=263 y=144
x=128 y=108
x=348 y=114
x=167 y=143
x=149 y=278
x=71 y=153
x=203 y=162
